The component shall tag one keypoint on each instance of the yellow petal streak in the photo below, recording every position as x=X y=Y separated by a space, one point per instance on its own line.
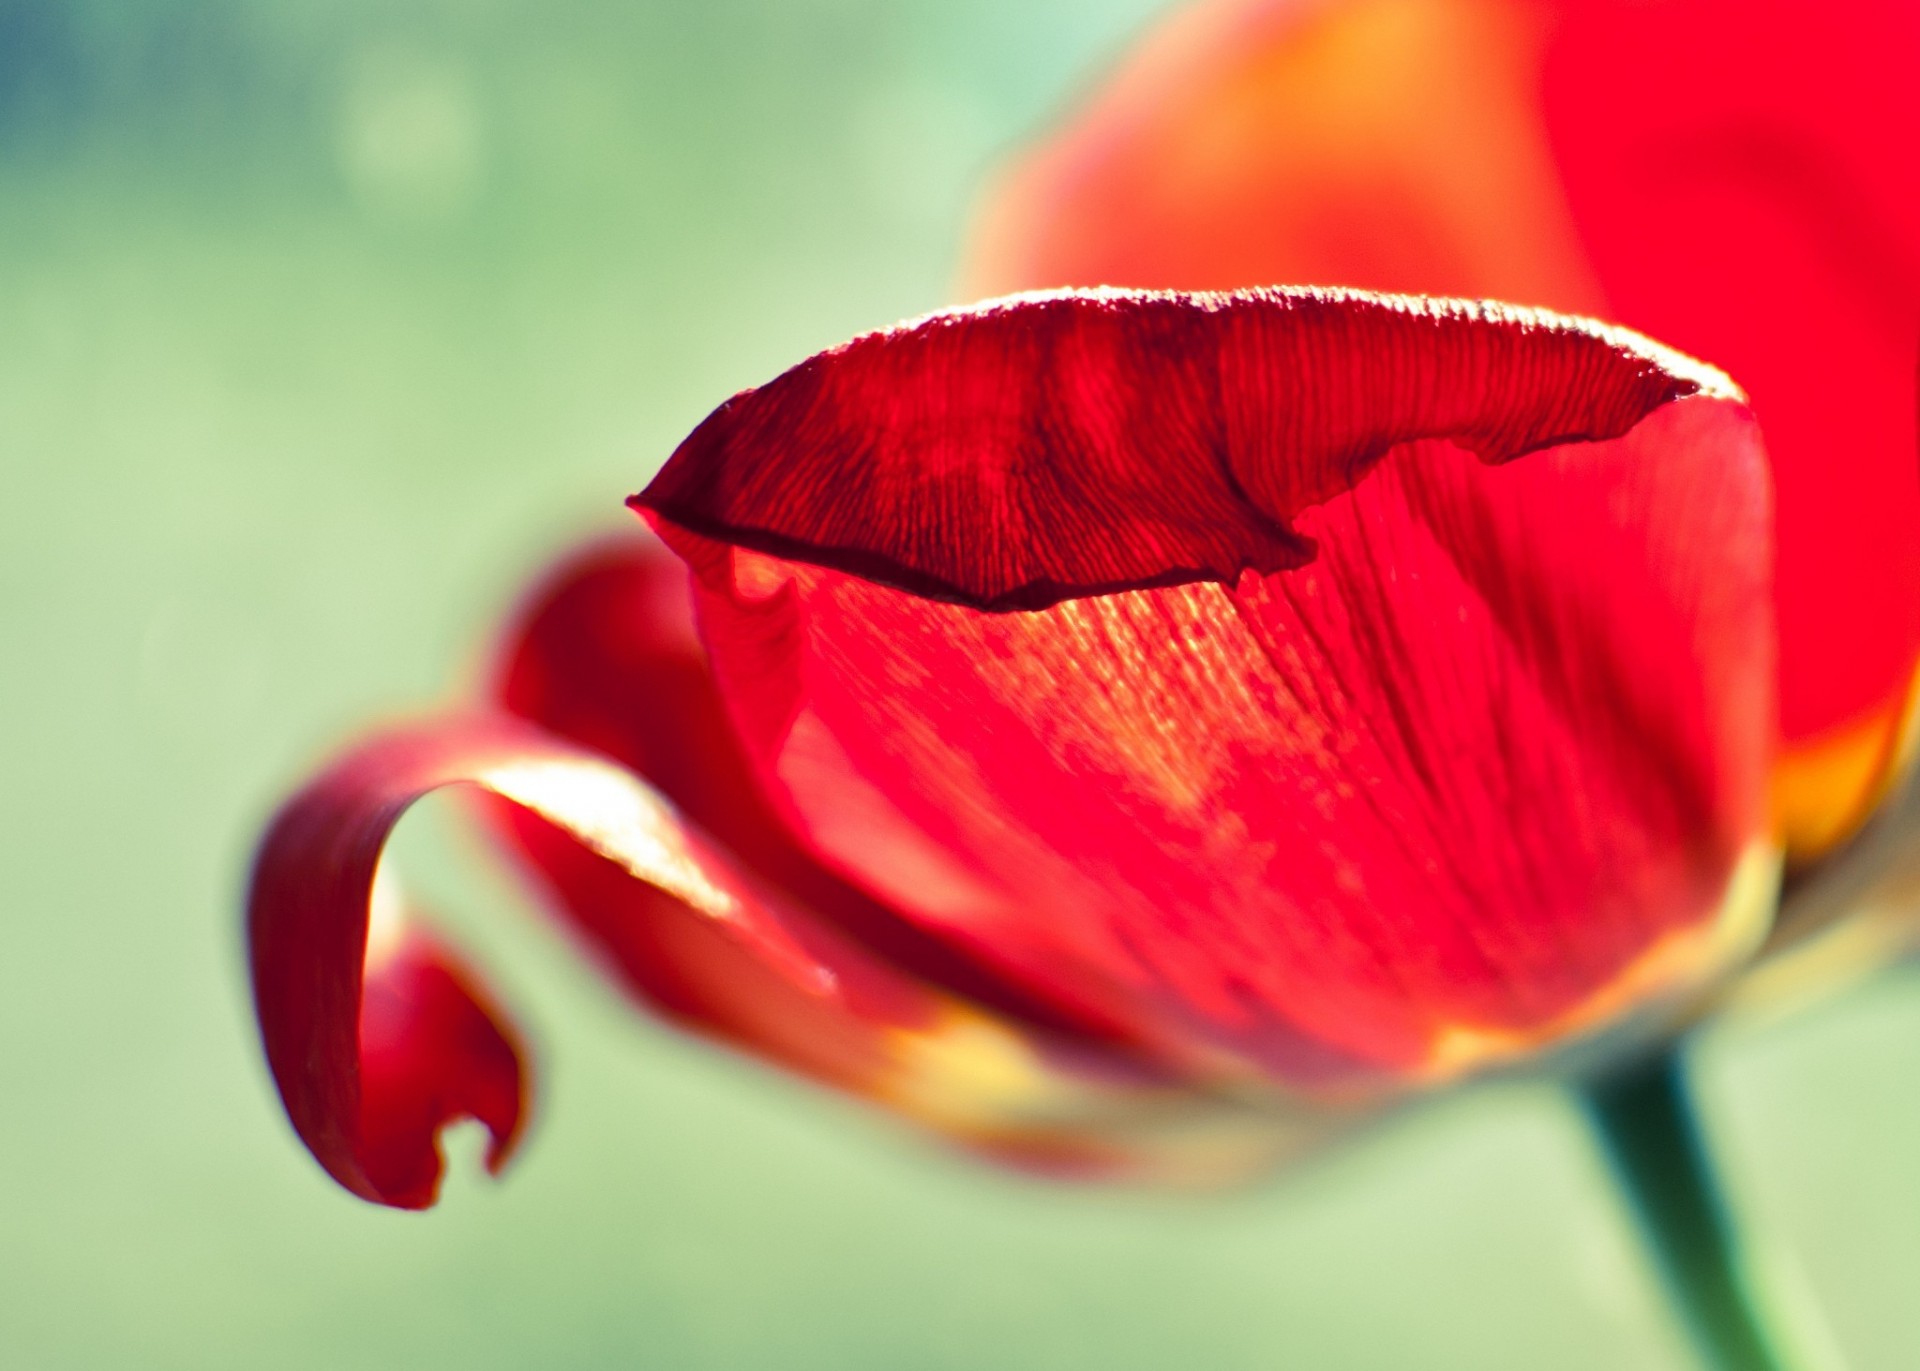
x=617 y=816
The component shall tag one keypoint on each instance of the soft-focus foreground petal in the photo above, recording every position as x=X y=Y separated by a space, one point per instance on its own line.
x=1332 y=745
x=433 y=1049
x=375 y=1047
x=1729 y=177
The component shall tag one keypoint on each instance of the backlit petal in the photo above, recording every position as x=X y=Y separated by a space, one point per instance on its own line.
x=604 y=653
x=1478 y=766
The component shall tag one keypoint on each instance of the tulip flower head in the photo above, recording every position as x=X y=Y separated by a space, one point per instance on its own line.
x=1147 y=726
x=1133 y=732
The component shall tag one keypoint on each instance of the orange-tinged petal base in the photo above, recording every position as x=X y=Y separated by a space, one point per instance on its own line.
x=1825 y=788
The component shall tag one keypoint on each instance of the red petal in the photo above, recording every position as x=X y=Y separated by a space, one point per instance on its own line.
x=373 y=1053
x=1478 y=776
x=605 y=654
x=369 y=1070
x=1743 y=176
x=1729 y=177
x=432 y=1050
x=366 y=1088
x=1021 y=453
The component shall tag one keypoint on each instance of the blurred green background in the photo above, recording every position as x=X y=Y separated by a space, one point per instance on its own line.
x=322 y=323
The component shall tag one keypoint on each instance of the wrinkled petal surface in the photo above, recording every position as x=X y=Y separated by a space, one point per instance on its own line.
x=1025 y=452
x=1731 y=178
x=1412 y=754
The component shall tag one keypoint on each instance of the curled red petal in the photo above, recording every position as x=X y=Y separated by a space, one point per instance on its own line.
x=370 y=1065
x=1487 y=772
x=372 y=1056
x=1024 y=452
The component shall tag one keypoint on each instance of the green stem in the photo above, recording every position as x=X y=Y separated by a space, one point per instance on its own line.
x=1644 y=1116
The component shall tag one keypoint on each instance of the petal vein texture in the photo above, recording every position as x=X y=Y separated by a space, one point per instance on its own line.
x=1211 y=664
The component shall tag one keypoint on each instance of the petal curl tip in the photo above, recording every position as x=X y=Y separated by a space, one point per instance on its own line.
x=376 y=1035
x=432 y=1051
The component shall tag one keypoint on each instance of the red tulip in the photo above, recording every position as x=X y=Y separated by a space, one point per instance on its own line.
x=1145 y=735
x=1733 y=177
x=1135 y=734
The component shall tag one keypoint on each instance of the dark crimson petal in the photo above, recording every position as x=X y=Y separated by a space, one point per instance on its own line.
x=1487 y=772
x=375 y=1046
x=1744 y=177
x=1027 y=451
